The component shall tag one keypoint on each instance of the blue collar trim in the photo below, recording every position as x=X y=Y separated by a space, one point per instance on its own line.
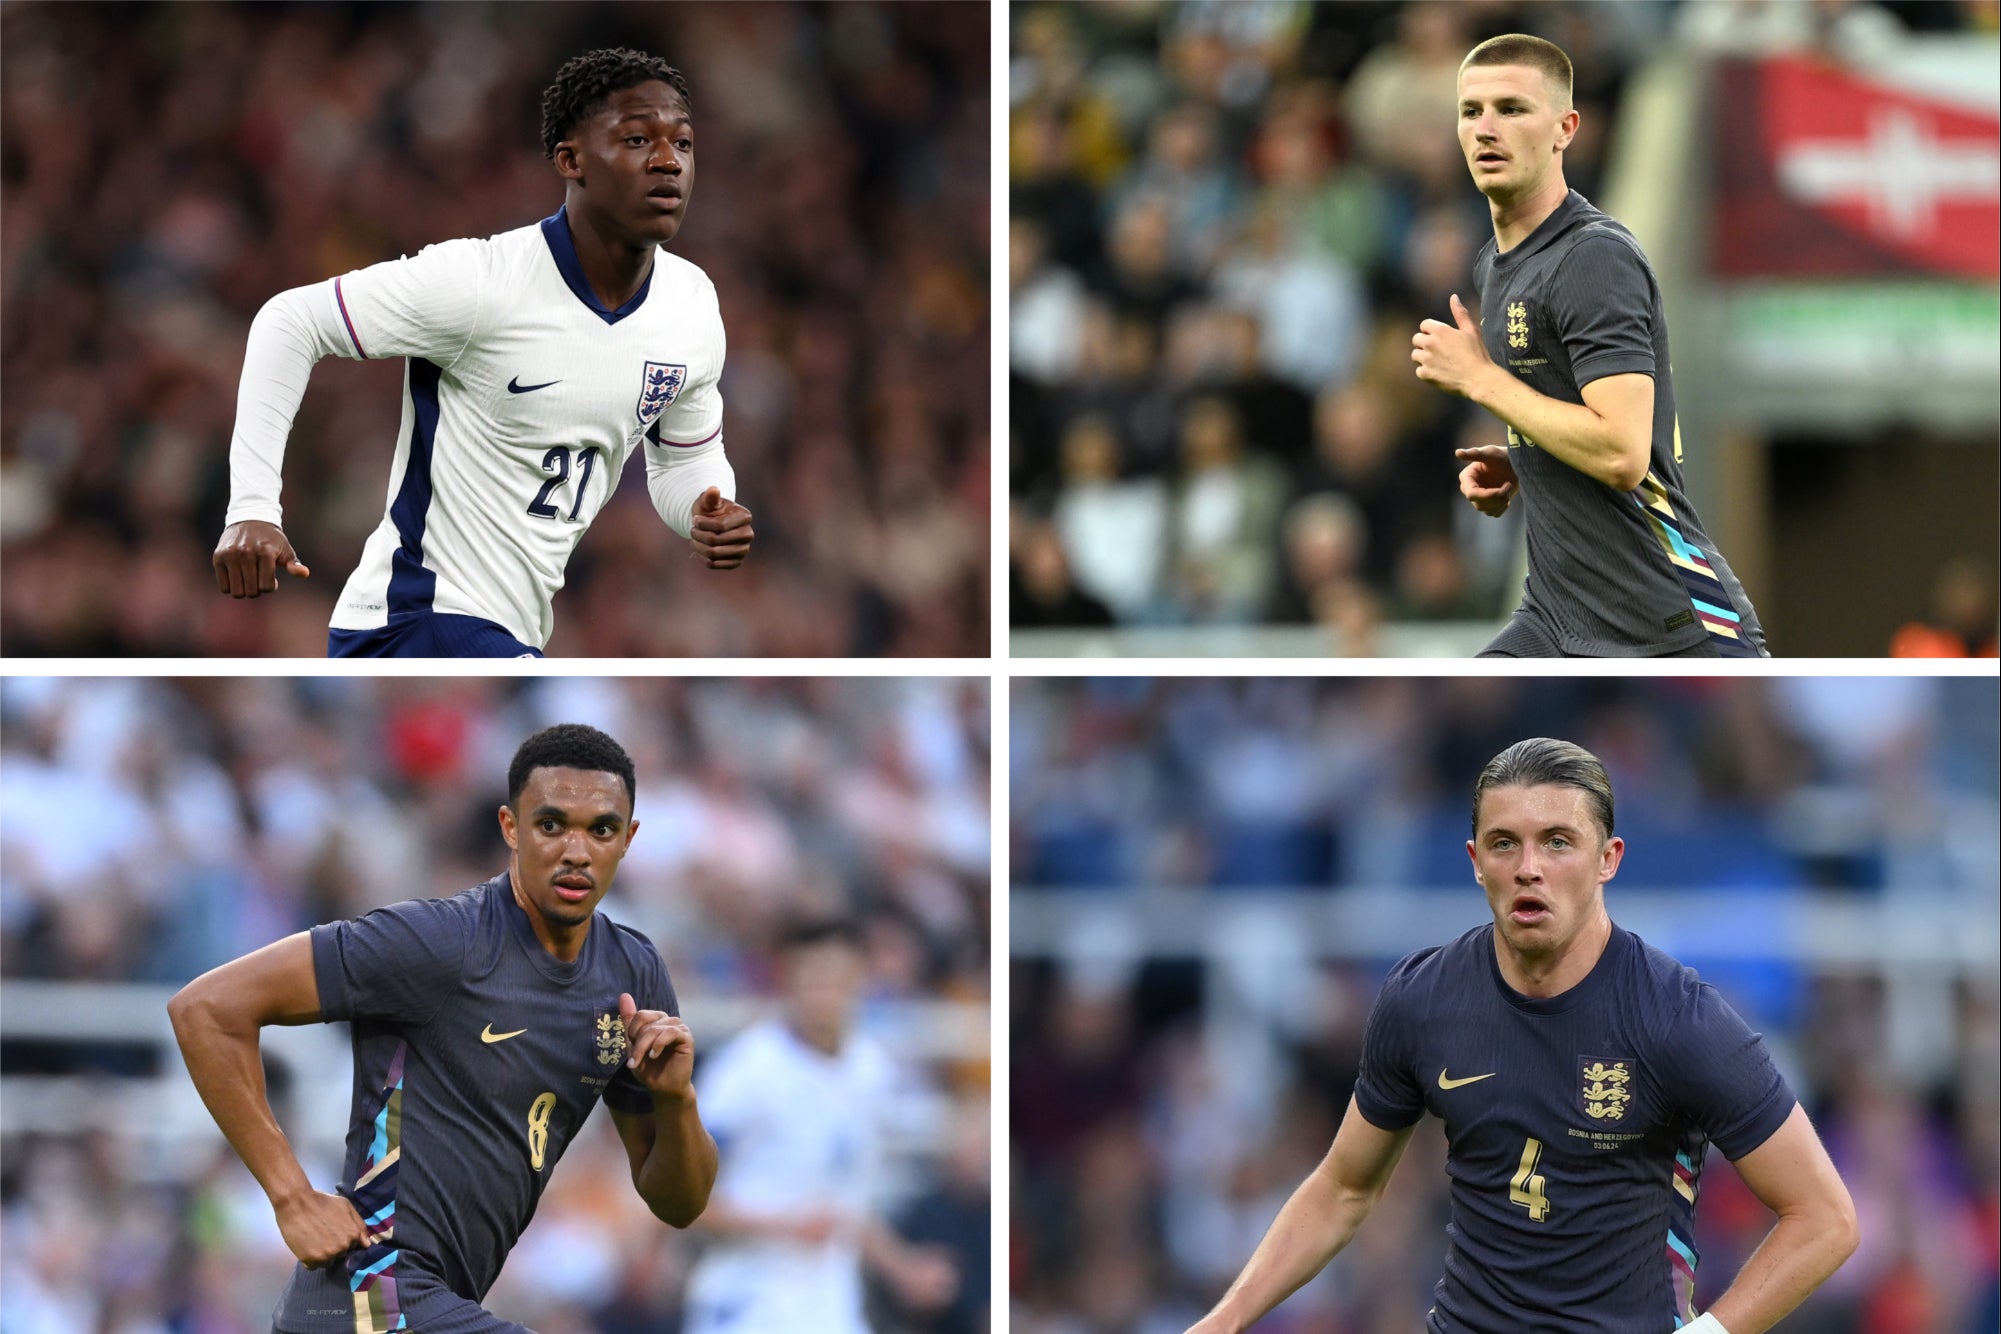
x=563 y=248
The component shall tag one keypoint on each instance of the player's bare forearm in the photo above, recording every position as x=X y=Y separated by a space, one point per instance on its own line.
x=1322 y=1216
x=680 y=1169
x=1571 y=432
x=1798 y=1255
x=1794 y=1178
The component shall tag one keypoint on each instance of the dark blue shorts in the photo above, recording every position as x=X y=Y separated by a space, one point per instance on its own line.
x=1526 y=635
x=429 y=634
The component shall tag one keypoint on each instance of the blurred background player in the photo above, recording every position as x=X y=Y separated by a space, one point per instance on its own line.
x=153 y=829
x=1212 y=879
x=1226 y=221
x=454 y=1136
x=801 y=1101
x=1605 y=1070
x=535 y=362
x=1572 y=355
x=847 y=235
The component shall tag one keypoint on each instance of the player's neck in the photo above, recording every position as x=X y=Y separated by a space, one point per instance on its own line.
x=615 y=269
x=563 y=947
x=1544 y=975
x=1517 y=219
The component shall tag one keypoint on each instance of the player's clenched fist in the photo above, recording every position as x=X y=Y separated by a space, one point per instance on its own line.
x=1488 y=479
x=721 y=530
x=320 y=1228
x=249 y=556
x=659 y=1048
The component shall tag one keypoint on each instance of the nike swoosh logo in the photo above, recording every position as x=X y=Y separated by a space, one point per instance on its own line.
x=1445 y=1083
x=488 y=1035
x=515 y=386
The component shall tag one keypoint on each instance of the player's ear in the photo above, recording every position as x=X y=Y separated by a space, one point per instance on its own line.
x=631 y=828
x=567 y=164
x=507 y=824
x=1473 y=855
x=1615 y=848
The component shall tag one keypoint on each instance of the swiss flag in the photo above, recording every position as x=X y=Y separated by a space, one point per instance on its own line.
x=1834 y=174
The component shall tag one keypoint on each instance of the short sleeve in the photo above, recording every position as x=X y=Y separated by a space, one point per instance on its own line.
x=696 y=414
x=1386 y=1090
x=427 y=305
x=1722 y=1075
x=397 y=963
x=1601 y=299
x=656 y=992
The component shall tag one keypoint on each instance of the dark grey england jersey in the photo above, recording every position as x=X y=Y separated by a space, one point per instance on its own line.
x=1575 y=1129
x=1613 y=573
x=477 y=1057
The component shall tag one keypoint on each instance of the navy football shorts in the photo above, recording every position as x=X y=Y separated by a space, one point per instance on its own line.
x=429 y=634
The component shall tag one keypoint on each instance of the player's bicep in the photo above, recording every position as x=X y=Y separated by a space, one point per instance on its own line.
x=274 y=985
x=1792 y=1174
x=1364 y=1154
x=635 y=1131
x=1626 y=403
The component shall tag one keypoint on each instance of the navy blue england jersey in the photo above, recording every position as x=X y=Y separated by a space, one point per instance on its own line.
x=1612 y=573
x=477 y=1057
x=1575 y=1129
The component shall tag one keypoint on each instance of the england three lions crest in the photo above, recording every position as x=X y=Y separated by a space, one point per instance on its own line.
x=1607 y=1087
x=660 y=386
x=611 y=1040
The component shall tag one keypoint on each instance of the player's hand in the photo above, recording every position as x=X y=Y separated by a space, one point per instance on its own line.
x=249 y=556
x=1451 y=356
x=721 y=530
x=321 y=1227
x=659 y=1048
x=1488 y=479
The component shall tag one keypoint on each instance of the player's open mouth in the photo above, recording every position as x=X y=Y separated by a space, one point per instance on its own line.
x=1489 y=160
x=573 y=893
x=1527 y=910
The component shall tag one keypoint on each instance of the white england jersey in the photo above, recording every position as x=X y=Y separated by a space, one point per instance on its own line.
x=523 y=398
x=798 y=1132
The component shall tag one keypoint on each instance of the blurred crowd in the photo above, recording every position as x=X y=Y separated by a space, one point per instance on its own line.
x=1820 y=782
x=1159 y=1118
x=152 y=829
x=168 y=168
x=1226 y=220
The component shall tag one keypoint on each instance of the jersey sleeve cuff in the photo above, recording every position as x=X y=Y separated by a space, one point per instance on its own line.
x=1760 y=1127
x=1381 y=1115
x=1611 y=363
x=328 y=975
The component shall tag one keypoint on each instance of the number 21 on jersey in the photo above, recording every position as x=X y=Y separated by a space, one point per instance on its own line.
x=1527 y=1187
x=557 y=461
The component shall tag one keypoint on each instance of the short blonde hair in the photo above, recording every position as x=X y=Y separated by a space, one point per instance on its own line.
x=1518 y=48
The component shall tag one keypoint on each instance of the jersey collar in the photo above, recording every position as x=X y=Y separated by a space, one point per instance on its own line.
x=1587 y=990
x=563 y=248
x=1574 y=205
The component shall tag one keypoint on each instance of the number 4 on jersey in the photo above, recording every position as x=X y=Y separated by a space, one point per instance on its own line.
x=1526 y=1189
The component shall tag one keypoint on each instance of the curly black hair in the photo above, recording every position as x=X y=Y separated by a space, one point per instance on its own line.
x=586 y=83
x=568 y=746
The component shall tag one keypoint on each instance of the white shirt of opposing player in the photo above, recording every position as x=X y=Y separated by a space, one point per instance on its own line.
x=799 y=1132
x=523 y=398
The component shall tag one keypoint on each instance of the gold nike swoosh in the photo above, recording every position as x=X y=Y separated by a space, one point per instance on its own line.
x=488 y=1035
x=1445 y=1083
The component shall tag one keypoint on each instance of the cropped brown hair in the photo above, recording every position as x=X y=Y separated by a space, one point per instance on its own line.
x=1542 y=760
x=1518 y=48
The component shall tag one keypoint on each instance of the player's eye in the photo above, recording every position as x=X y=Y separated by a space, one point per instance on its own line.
x=638 y=140
x=1559 y=842
x=685 y=145
x=551 y=827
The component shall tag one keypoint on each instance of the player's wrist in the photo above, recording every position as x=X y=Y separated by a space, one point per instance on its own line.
x=1704 y=1324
